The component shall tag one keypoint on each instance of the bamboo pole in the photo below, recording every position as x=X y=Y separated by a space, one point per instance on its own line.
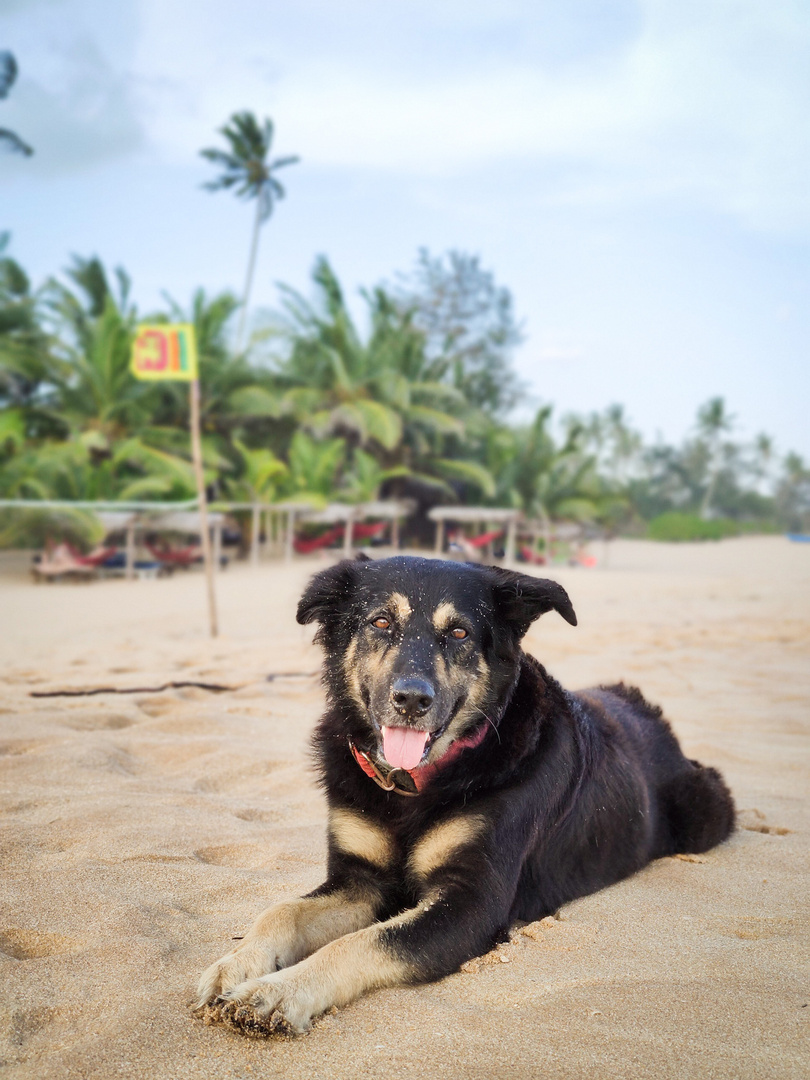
x=347 y=535
x=129 y=564
x=289 y=536
x=255 y=529
x=196 y=454
x=511 y=533
x=217 y=559
x=439 y=536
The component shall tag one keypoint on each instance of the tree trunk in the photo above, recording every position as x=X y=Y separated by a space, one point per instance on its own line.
x=254 y=247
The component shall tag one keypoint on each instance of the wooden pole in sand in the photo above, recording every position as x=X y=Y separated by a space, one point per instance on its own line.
x=439 y=536
x=196 y=454
x=255 y=529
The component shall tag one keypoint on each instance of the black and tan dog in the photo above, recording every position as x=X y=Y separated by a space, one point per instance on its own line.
x=466 y=790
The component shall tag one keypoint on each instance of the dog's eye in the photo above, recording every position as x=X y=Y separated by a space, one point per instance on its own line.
x=459 y=633
x=381 y=623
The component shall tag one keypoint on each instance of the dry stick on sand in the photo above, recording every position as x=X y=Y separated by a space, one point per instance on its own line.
x=215 y=688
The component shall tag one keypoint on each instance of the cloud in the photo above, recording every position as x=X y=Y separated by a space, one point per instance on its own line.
x=599 y=104
x=71 y=105
x=560 y=354
x=12 y=6
x=696 y=101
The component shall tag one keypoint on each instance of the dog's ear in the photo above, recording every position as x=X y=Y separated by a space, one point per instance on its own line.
x=328 y=592
x=521 y=599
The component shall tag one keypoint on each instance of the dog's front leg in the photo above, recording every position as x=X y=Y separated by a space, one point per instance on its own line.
x=352 y=897
x=467 y=894
x=285 y=933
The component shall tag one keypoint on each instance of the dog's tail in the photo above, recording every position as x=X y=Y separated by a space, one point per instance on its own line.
x=697 y=808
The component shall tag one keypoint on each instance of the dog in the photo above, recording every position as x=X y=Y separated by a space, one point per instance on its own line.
x=466 y=790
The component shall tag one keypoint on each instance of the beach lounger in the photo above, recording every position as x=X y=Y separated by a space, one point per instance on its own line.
x=60 y=563
x=534 y=557
x=172 y=557
x=99 y=556
x=471 y=546
x=306 y=545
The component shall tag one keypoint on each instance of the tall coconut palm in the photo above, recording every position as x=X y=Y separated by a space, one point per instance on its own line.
x=250 y=170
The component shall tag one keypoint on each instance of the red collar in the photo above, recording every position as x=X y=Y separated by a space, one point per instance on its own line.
x=412 y=781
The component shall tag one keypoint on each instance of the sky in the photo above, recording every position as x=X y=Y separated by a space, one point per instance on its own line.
x=634 y=171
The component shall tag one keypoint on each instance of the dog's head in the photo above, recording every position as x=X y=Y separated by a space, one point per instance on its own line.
x=425 y=650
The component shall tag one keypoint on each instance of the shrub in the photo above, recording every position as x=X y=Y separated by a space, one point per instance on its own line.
x=678 y=526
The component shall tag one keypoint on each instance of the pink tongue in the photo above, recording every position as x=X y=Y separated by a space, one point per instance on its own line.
x=403 y=747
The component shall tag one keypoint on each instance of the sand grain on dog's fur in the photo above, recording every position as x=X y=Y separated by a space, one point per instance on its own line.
x=142 y=833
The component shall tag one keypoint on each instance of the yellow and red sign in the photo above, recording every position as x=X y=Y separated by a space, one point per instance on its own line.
x=164 y=351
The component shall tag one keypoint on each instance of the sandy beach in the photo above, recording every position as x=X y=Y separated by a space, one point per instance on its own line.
x=142 y=832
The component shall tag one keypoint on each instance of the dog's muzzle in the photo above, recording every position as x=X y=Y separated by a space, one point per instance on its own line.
x=412 y=697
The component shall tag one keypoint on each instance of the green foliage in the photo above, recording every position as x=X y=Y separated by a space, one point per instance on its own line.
x=319 y=409
x=792 y=498
x=313 y=467
x=260 y=475
x=88 y=468
x=368 y=392
x=37 y=528
x=364 y=479
x=469 y=327
x=544 y=478
x=678 y=526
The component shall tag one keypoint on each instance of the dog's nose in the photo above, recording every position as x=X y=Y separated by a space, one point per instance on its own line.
x=412 y=697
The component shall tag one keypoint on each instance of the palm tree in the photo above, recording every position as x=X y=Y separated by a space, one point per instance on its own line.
x=712 y=421
x=793 y=494
x=94 y=326
x=365 y=477
x=379 y=393
x=314 y=466
x=26 y=357
x=249 y=168
x=543 y=479
x=108 y=447
x=764 y=450
x=233 y=391
x=8 y=75
x=328 y=376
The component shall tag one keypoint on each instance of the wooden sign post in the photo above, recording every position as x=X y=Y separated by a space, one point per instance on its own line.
x=163 y=351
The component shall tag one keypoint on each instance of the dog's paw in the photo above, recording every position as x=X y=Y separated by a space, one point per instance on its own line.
x=250 y=960
x=276 y=1004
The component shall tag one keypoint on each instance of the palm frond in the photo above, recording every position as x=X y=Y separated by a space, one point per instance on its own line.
x=12 y=142
x=256 y=401
x=435 y=420
x=469 y=471
x=8 y=72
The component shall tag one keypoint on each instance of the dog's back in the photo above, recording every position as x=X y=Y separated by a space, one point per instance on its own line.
x=695 y=810
x=633 y=796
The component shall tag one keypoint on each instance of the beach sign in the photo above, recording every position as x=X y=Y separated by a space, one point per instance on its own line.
x=165 y=351
x=169 y=351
